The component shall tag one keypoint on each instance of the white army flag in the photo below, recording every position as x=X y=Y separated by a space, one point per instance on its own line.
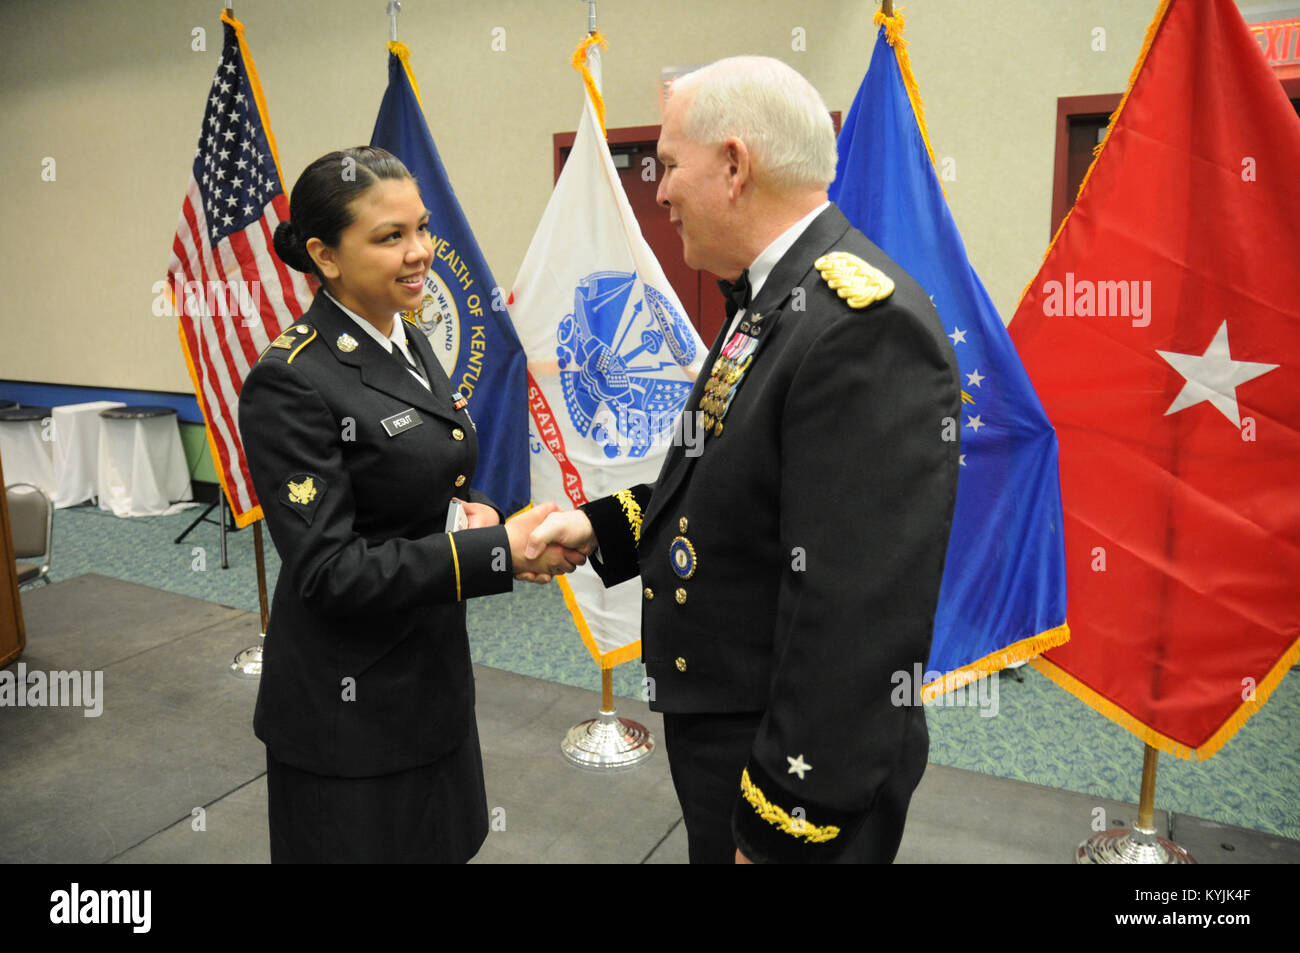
x=611 y=361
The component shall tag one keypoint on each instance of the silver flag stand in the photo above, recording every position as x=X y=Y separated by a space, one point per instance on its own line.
x=607 y=742
x=1141 y=844
x=248 y=663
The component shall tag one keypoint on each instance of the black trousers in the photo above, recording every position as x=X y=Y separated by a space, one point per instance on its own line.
x=706 y=754
x=434 y=813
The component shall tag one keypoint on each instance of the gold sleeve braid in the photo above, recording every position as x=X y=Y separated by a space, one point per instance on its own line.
x=778 y=818
x=633 y=510
x=455 y=561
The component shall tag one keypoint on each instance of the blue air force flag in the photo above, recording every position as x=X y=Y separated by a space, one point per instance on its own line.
x=464 y=313
x=1003 y=594
x=611 y=361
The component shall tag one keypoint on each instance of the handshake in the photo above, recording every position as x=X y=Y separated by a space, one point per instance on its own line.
x=546 y=541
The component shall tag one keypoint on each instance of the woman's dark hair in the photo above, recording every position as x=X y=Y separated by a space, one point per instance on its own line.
x=320 y=206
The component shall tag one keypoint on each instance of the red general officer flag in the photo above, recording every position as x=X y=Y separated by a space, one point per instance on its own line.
x=1162 y=334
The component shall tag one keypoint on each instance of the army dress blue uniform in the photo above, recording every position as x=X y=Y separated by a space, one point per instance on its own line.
x=366 y=701
x=792 y=567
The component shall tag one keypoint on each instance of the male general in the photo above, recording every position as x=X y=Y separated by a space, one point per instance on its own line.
x=792 y=567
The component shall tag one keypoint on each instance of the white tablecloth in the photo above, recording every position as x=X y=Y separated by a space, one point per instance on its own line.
x=142 y=467
x=26 y=448
x=76 y=451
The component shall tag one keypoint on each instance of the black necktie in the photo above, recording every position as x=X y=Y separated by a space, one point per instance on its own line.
x=408 y=362
x=736 y=292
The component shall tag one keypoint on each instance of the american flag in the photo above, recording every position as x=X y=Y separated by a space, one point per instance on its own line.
x=233 y=295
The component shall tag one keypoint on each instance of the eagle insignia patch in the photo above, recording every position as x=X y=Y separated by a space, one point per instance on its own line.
x=857 y=282
x=302 y=493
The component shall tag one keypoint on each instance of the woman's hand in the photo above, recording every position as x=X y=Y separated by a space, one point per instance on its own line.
x=570 y=529
x=480 y=514
x=546 y=561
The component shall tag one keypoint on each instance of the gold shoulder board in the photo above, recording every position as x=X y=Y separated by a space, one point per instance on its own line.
x=857 y=282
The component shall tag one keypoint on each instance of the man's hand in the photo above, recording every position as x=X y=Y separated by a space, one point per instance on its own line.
x=543 y=561
x=570 y=529
x=741 y=858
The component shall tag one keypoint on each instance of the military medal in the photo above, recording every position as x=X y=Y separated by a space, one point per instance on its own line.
x=346 y=343
x=681 y=554
x=728 y=371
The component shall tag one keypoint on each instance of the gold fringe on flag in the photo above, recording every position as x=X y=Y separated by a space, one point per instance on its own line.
x=894 y=35
x=1022 y=651
x=1231 y=725
x=403 y=53
x=579 y=62
x=611 y=659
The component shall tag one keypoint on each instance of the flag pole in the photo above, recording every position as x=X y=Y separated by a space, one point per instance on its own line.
x=1141 y=844
x=261 y=574
x=607 y=741
x=393 y=9
x=248 y=663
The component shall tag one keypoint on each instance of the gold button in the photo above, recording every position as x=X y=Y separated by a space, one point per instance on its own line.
x=681 y=525
x=458 y=434
x=681 y=597
x=681 y=664
x=649 y=593
x=460 y=480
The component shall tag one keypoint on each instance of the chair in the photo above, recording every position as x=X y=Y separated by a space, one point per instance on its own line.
x=31 y=519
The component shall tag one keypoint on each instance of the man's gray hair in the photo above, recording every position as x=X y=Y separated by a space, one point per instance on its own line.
x=772 y=109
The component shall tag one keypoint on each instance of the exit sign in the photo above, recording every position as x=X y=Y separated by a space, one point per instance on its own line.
x=1279 y=39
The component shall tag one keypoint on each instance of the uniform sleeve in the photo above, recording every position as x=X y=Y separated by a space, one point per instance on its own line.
x=294 y=453
x=867 y=491
x=616 y=520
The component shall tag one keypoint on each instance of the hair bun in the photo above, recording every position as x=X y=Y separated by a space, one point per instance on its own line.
x=292 y=248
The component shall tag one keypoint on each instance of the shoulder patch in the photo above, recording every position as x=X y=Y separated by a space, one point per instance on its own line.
x=302 y=493
x=289 y=343
x=857 y=282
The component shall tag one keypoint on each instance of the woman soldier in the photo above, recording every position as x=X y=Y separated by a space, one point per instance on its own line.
x=357 y=446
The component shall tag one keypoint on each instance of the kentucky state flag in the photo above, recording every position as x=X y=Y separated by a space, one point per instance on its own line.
x=464 y=313
x=611 y=361
x=1003 y=593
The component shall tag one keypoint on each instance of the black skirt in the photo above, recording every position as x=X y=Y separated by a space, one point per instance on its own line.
x=431 y=814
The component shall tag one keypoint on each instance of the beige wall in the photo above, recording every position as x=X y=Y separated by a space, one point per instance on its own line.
x=113 y=92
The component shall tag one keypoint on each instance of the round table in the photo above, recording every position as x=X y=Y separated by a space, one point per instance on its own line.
x=142 y=468
x=27 y=446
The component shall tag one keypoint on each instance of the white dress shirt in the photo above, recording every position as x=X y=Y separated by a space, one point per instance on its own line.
x=769 y=256
x=395 y=338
